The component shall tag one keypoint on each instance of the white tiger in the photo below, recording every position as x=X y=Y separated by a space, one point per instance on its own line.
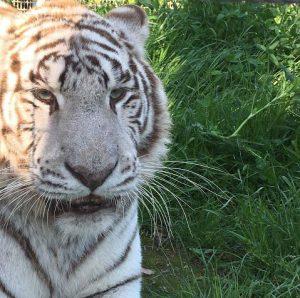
x=81 y=115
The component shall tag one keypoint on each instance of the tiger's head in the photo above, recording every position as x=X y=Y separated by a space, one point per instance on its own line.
x=82 y=113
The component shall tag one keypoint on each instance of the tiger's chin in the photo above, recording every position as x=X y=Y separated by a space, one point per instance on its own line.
x=82 y=206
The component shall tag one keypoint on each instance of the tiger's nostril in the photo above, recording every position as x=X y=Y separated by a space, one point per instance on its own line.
x=89 y=179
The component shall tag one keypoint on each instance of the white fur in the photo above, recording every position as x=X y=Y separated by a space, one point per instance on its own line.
x=46 y=238
x=90 y=133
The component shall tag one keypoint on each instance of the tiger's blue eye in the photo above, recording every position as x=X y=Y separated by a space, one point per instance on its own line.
x=118 y=94
x=44 y=95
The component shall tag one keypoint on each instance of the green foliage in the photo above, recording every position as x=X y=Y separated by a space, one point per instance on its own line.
x=231 y=72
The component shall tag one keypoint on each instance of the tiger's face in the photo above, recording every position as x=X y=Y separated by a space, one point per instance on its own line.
x=82 y=112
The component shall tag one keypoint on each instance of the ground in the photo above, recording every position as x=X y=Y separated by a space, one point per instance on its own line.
x=231 y=182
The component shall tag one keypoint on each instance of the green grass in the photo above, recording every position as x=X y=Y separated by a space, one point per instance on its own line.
x=231 y=72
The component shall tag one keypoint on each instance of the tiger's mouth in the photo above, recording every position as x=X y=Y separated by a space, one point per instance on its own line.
x=81 y=206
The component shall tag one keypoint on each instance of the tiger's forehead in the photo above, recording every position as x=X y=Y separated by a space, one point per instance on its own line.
x=87 y=50
x=43 y=24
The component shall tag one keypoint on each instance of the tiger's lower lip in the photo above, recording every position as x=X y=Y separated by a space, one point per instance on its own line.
x=85 y=208
x=81 y=206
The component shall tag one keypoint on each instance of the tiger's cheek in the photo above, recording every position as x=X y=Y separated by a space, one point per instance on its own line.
x=20 y=129
x=131 y=112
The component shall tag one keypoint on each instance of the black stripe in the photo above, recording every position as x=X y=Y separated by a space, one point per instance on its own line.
x=153 y=96
x=116 y=65
x=124 y=255
x=27 y=129
x=133 y=139
x=93 y=60
x=37 y=21
x=87 y=41
x=146 y=91
x=52 y=17
x=118 y=285
x=24 y=243
x=6 y=130
x=129 y=179
x=42 y=62
x=50 y=45
x=15 y=66
x=132 y=129
x=24 y=100
x=131 y=98
x=55 y=19
x=101 y=32
x=136 y=121
x=125 y=77
x=139 y=112
x=97 y=22
x=105 y=78
x=54 y=185
x=132 y=65
x=43 y=33
x=74 y=266
x=4 y=290
x=29 y=147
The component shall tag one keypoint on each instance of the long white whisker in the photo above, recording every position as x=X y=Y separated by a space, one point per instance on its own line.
x=31 y=208
x=171 y=172
x=158 y=209
x=141 y=199
x=179 y=200
x=194 y=163
x=19 y=205
x=167 y=217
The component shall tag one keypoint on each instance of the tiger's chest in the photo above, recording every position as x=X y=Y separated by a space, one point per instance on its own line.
x=34 y=266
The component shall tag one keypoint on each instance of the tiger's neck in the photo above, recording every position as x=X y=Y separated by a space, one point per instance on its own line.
x=71 y=249
x=66 y=228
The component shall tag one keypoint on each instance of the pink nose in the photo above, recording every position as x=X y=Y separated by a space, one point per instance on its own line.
x=91 y=180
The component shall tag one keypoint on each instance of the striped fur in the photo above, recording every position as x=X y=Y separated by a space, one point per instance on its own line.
x=82 y=114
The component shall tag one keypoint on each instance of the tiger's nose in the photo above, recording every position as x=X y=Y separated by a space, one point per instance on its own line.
x=90 y=180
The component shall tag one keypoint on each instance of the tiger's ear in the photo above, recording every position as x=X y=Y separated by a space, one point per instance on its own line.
x=133 y=21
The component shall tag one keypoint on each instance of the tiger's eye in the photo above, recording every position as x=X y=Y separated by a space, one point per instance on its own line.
x=118 y=94
x=44 y=95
